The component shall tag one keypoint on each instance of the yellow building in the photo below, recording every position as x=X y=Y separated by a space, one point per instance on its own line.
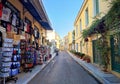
x=57 y=40
x=70 y=40
x=90 y=10
x=66 y=42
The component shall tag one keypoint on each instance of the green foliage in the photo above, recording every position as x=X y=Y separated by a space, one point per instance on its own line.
x=91 y=30
x=73 y=32
x=85 y=33
x=113 y=15
x=77 y=53
x=73 y=51
x=103 y=48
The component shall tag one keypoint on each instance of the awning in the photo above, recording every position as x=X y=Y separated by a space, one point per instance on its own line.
x=28 y=5
x=31 y=9
x=46 y=25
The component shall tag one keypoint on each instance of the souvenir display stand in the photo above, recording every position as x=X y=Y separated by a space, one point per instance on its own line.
x=23 y=50
x=26 y=55
x=39 y=57
x=5 y=61
x=15 y=67
x=41 y=52
x=45 y=53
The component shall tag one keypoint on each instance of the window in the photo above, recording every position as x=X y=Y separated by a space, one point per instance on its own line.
x=77 y=30
x=86 y=17
x=80 y=25
x=96 y=7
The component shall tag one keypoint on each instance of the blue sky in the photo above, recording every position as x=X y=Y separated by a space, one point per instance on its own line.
x=62 y=14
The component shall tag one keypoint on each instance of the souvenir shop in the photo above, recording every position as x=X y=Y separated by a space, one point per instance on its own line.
x=18 y=51
x=9 y=49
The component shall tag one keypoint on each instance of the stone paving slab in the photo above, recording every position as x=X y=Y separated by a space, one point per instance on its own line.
x=104 y=78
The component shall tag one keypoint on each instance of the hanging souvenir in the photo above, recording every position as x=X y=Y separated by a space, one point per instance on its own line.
x=25 y=26
x=31 y=30
x=15 y=29
x=4 y=24
x=35 y=33
x=8 y=27
x=38 y=34
x=18 y=23
x=21 y=27
x=1 y=8
x=14 y=19
x=6 y=14
x=28 y=28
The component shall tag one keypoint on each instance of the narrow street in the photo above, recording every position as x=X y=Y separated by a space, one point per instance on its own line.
x=63 y=70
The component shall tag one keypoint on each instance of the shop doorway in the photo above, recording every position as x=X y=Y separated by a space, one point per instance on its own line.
x=115 y=52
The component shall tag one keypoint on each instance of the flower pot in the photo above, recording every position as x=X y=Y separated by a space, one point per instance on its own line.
x=80 y=57
x=88 y=60
x=86 y=39
x=104 y=68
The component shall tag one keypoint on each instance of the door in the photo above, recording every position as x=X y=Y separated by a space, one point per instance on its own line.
x=96 y=53
x=115 y=52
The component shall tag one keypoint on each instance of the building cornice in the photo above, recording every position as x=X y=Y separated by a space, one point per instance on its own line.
x=80 y=11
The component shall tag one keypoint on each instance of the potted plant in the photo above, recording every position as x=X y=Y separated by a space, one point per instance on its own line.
x=86 y=58
x=82 y=55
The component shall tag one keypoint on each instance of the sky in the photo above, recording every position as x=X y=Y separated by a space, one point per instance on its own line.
x=62 y=14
